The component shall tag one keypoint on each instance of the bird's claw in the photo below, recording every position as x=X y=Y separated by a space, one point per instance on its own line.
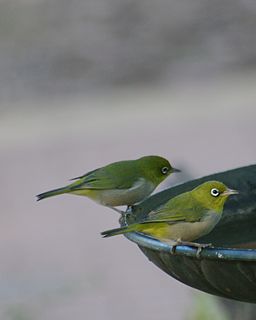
x=174 y=245
x=173 y=248
x=198 y=252
x=129 y=209
x=200 y=247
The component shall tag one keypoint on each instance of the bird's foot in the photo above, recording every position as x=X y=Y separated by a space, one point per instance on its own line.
x=129 y=209
x=174 y=244
x=173 y=249
x=199 y=246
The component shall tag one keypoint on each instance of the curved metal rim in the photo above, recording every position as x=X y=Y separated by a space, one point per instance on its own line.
x=207 y=253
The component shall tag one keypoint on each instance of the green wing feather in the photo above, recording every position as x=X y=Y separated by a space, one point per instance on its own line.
x=181 y=208
x=124 y=177
x=119 y=175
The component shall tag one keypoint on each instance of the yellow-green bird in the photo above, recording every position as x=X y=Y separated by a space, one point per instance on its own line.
x=119 y=183
x=185 y=217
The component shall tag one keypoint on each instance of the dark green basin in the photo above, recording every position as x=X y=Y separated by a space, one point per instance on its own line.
x=227 y=270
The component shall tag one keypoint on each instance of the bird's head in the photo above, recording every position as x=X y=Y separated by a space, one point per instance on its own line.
x=156 y=168
x=213 y=195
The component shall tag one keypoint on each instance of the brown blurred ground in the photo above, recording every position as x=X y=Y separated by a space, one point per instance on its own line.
x=54 y=264
x=60 y=47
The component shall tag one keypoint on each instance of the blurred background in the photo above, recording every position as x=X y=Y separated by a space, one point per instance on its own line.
x=86 y=83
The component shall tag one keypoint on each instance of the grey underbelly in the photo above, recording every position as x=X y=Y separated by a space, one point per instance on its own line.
x=119 y=197
x=189 y=231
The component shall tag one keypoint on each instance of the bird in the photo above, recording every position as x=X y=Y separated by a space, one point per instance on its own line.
x=184 y=218
x=120 y=183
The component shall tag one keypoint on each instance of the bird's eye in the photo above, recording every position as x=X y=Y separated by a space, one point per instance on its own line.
x=215 y=192
x=164 y=170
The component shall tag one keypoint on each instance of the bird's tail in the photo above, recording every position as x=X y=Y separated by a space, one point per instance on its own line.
x=52 y=193
x=116 y=231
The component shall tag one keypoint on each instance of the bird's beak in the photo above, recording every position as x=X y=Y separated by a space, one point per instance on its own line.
x=229 y=192
x=176 y=170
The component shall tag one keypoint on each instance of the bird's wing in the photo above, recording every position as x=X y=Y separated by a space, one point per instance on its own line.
x=105 y=179
x=84 y=175
x=178 y=209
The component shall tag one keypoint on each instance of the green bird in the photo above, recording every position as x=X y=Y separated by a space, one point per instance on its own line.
x=185 y=217
x=119 y=183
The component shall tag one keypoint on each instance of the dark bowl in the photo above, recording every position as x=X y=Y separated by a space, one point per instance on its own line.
x=229 y=268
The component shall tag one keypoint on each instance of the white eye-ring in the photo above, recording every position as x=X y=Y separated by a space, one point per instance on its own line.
x=164 y=170
x=215 y=192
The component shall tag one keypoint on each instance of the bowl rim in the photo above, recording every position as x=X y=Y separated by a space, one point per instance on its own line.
x=212 y=253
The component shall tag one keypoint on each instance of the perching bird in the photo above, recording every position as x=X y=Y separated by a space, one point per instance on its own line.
x=119 y=183
x=185 y=217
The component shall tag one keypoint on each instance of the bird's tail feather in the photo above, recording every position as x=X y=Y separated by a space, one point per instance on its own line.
x=135 y=227
x=52 y=193
x=116 y=231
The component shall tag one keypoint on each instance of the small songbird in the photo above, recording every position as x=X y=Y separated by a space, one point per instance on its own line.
x=185 y=217
x=119 y=183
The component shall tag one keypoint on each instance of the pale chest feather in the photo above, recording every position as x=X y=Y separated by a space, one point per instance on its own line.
x=118 y=197
x=186 y=231
x=189 y=231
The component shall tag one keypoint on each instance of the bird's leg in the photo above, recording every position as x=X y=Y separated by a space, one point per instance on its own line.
x=117 y=210
x=127 y=211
